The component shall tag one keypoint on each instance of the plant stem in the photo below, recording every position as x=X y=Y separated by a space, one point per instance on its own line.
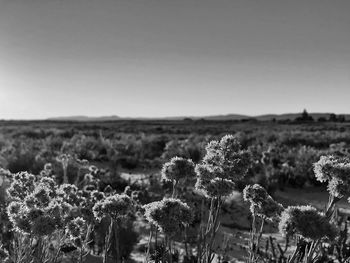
x=252 y=240
x=259 y=235
x=185 y=236
x=81 y=255
x=175 y=182
x=116 y=239
x=170 y=252
x=107 y=241
x=65 y=177
x=156 y=243
x=149 y=244
x=213 y=227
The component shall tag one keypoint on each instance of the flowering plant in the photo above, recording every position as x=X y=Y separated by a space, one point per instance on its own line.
x=168 y=215
x=178 y=169
x=335 y=171
x=261 y=203
x=224 y=164
x=307 y=222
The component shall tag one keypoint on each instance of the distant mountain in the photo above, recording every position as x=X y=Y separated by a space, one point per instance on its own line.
x=226 y=117
x=85 y=118
x=114 y=117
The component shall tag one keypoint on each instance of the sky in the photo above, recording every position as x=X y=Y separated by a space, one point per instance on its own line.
x=155 y=58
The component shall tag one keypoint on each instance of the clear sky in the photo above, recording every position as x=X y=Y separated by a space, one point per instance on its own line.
x=173 y=57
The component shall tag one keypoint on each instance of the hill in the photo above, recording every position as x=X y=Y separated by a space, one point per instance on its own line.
x=85 y=118
x=224 y=117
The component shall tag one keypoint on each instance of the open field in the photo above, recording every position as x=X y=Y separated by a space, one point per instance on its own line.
x=125 y=158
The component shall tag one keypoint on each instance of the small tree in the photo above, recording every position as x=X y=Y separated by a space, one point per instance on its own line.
x=333 y=117
x=304 y=117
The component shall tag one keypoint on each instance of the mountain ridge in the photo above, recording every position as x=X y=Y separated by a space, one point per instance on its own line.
x=220 y=117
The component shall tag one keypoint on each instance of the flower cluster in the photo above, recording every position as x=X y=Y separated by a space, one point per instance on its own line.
x=82 y=162
x=261 y=203
x=224 y=164
x=178 y=168
x=97 y=196
x=23 y=183
x=47 y=171
x=114 y=206
x=38 y=212
x=335 y=171
x=70 y=194
x=307 y=222
x=88 y=200
x=76 y=229
x=64 y=160
x=40 y=207
x=168 y=215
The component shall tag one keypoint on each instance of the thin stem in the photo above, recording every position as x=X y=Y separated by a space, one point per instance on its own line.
x=313 y=247
x=107 y=241
x=116 y=239
x=156 y=243
x=65 y=177
x=149 y=244
x=252 y=239
x=170 y=252
x=61 y=237
x=185 y=236
x=258 y=238
x=214 y=228
x=56 y=255
x=81 y=255
x=210 y=215
x=200 y=234
x=175 y=182
x=78 y=176
x=296 y=251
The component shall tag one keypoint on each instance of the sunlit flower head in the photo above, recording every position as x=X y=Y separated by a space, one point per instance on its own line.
x=97 y=195
x=14 y=208
x=216 y=187
x=82 y=162
x=69 y=193
x=108 y=189
x=21 y=222
x=93 y=169
x=306 y=222
x=178 y=168
x=42 y=195
x=115 y=206
x=22 y=184
x=48 y=167
x=224 y=164
x=168 y=215
x=48 y=182
x=76 y=229
x=335 y=171
x=261 y=203
x=64 y=160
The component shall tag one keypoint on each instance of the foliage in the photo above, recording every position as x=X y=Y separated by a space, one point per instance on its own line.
x=66 y=192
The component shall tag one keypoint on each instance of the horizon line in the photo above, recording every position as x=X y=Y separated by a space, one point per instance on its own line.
x=58 y=118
